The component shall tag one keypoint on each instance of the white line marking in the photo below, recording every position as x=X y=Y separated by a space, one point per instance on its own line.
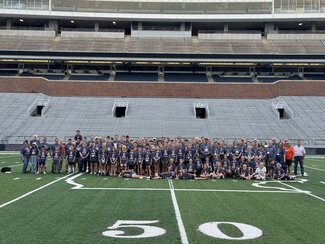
x=308 y=193
x=105 y=178
x=39 y=178
x=31 y=192
x=16 y=178
x=314 y=168
x=9 y=156
x=322 y=182
x=180 y=224
x=2 y=162
x=78 y=186
x=16 y=165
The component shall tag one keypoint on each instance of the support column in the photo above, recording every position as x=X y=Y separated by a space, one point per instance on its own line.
x=225 y=27
x=313 y=27
x=54 y=25
x=96 y=26
x=8 y=24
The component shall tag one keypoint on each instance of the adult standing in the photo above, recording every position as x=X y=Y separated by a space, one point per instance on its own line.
x=299 y=156
x=289 y=153
x=25 y=155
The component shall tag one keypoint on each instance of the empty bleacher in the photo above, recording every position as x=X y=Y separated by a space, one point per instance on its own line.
x=102 y=77
x=185 y=77
x=135 y=76
x=249 y=117
x=51 y=76
x=8 y=72
x=162 y=45
x=268 y=79
x=240 y=79
x=314 y=76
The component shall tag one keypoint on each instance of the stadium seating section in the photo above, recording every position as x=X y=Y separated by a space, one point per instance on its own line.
x=185 y=77
x=128 y=76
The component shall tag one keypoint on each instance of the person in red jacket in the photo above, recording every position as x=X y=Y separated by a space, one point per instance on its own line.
x=289 y=153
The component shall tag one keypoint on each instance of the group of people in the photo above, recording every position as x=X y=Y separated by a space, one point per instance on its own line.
x=172 y=158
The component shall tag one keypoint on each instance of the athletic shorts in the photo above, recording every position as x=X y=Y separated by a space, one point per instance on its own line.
x=41 y=163
x=288 y=162
x=131 y=166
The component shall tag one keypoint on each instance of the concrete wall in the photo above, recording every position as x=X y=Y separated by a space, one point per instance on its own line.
x=86 y=34
x=161 y=34
x=295 y=36
x=32 y=33
x=178 y=90
x=229 y=36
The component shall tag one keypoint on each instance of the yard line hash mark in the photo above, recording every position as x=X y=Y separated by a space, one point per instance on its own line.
x=180 y=223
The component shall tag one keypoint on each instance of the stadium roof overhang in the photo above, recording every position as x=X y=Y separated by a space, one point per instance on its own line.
x=89 y=57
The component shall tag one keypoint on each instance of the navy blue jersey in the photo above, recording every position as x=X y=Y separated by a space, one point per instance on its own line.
x=123 y=157
x=172 y=154
x=114 y=157
x=25 y=151
x=270 y=153
x=164 y=156
x=147 y=158
x=131 y=158
x=56 y=156
x=198 y=164
x=53 y=147
x=279 y=173
x=84 y=151
x=234 y=165
x=180 y=153
x=280 y=152
x=156 y=157
x=205 y=149
x=42 y=156
x=71 y=155
x=219 y=170
x=103 y=157
x=189 y=154
x=190 y=167
x=93 y=154
x=244 y=172
x=46 y=146
x=139 y=157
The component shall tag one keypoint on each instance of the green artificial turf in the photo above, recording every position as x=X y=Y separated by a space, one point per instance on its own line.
x=60 y=214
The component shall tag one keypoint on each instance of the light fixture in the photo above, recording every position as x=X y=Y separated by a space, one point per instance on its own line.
x=72 y=21
x=300 y=24
x=114 y=23
x=21 y=20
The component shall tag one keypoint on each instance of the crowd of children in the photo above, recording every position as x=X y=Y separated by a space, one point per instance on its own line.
x=173 y=158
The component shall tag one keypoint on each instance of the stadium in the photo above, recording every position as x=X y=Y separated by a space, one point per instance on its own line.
x=162 y=121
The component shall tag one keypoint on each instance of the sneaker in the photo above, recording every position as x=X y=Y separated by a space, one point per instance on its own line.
x=91 y=173
x=37 y=173
x=44 y=173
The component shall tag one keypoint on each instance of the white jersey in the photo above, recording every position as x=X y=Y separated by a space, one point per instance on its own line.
x=261 y=173
x=299 y=151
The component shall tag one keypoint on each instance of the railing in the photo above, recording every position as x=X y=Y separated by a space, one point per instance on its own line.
x=299 y=32
x=23 y=28
x=229 y=32
x=91 y=30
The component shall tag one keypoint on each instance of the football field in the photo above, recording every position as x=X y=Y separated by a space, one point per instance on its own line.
x=83 y=208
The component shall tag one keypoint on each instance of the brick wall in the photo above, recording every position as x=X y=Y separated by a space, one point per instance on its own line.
x=183 y=90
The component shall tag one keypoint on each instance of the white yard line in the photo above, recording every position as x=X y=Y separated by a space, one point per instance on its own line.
x=180 y=223
x=31 y=192
x=314 y=168
x=322 y=182
x=308 y=193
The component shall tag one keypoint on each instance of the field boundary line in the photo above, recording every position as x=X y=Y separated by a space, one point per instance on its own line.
x=179 y=220
x=308 y=193
x=31 y=192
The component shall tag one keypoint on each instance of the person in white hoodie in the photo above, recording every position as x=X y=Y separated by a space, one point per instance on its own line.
x=260 y=172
